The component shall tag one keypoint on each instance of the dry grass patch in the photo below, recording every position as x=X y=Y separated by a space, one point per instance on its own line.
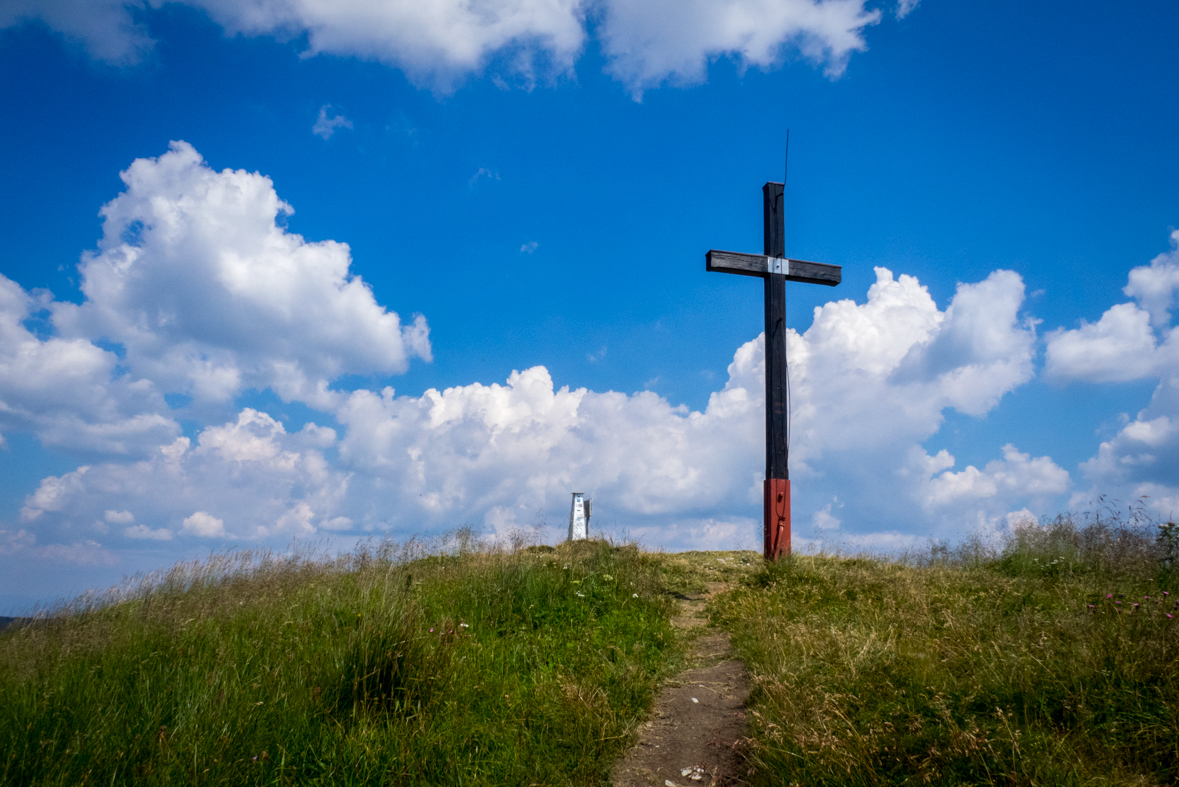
x=1049 y=660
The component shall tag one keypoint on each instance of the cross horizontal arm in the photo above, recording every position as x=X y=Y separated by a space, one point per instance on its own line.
x=759 y=265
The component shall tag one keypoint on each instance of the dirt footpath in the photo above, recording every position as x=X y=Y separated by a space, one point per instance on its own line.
x=698 y=719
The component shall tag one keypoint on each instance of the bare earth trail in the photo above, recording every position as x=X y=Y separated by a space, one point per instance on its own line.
x=698 y=719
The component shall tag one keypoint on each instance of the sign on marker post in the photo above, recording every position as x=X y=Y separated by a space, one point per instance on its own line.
x=579 y=518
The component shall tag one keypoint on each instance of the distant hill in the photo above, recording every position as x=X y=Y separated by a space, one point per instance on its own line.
x=6 y=621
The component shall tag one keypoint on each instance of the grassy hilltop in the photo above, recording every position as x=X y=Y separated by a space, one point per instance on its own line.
x=468 y=666
x=1050 y=660
x=1053 y=661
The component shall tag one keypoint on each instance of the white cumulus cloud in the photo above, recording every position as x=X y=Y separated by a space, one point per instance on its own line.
x=248 y=479
x=1154 y=286
x=439 y=42
x=69 y=392
x=1120 y=346
x=653 y=41
x=1016 y=475
x=205 y=293
x=204 y=525
x=879 y=374
x=209 y=294
x=1132 y=341
x=434 y=42
x=870 y=382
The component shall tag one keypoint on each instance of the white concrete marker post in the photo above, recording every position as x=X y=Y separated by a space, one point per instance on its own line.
x=579 y=518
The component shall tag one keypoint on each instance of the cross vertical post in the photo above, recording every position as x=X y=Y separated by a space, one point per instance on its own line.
x=776 y=487
x=775 y=269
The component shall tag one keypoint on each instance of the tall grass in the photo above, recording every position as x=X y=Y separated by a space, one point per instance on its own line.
x=1052 y=658
x=457 y=665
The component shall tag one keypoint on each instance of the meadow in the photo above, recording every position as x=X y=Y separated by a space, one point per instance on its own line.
x=421 y=664
x=1047 y=659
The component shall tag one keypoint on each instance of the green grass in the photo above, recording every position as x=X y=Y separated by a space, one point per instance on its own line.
x=1008 y=666
x=465 y=667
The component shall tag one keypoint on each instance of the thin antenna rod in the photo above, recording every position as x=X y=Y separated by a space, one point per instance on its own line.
x=786 y=170
x=785 y=335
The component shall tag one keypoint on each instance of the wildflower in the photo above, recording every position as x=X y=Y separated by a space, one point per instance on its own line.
x=1090 y=606
x=1168 y=614
x=1166 y=592
x=634 y=595
x=1117 y=602
x=464 y=625
x=579 y=594
x=431 y=631
x=1147 y=598
x=1109 y=595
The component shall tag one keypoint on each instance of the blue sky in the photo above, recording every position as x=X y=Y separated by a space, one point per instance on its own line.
x=199 y=367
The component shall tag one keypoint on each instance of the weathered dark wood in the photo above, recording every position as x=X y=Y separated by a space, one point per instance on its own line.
x=776 y=518
x=773 y=219
x=735 y=262
x=815 y=272
x=758 y=265
x=776 y=270
x=776 y=410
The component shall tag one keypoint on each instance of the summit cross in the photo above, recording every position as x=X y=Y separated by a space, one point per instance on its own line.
x=775 y=269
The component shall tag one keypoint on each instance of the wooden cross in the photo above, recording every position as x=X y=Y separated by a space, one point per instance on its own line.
x=776 y=270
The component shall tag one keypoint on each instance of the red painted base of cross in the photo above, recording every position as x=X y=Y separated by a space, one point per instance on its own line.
x=775 y=269
x=776 y=508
